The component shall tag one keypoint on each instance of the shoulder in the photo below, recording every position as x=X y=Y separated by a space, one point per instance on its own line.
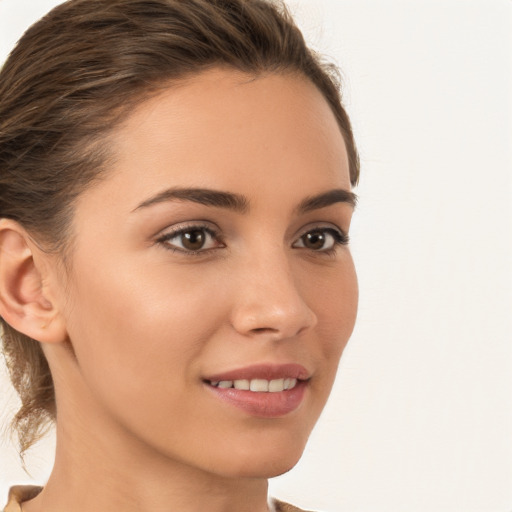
x=280 y=506
x=18 y=494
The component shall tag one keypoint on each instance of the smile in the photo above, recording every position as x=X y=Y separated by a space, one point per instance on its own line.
x=263 y=391
x=257 y=385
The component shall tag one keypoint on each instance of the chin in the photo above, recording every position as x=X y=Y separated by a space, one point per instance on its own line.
x=259 y=461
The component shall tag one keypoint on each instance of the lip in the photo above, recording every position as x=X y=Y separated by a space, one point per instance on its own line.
x=264 y=371
x=263 y=404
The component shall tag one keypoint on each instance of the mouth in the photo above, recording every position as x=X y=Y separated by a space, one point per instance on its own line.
x=265 y=391
x=256 y=385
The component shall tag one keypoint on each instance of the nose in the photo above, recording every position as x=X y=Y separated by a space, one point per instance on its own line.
x=269 y=302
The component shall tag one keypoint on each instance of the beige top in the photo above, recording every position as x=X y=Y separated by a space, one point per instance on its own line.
x=21 y=493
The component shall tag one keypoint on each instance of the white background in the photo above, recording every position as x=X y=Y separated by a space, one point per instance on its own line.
x=420 y=419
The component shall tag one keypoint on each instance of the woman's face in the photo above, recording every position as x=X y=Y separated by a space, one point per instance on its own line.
x=213 y=258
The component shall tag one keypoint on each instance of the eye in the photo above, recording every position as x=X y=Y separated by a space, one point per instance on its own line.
x=191 y=239
x=322 y=240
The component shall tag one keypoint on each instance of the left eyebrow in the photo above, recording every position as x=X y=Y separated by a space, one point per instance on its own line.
x=328 y=198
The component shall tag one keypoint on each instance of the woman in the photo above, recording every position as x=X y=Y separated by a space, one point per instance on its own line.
x=176 y=288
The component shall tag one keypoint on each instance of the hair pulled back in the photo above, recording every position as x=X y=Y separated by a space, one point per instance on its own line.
x=75 y=75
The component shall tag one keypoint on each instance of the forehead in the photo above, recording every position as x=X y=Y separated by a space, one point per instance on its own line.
x=233 y=131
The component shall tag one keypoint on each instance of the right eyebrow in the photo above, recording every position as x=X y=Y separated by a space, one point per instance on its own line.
x=206 y=196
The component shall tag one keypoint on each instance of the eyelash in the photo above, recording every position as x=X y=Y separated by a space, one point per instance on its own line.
x=339 y=239
x=164 y=239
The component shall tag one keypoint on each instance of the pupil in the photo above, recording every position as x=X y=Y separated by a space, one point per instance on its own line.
x=315 y=240
x=193 y=240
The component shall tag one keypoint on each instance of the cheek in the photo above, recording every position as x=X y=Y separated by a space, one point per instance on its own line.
x=333 y=295
x=136 y=330
x=138 y=343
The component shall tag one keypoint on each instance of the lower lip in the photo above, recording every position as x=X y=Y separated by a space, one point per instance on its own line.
x=263 y=405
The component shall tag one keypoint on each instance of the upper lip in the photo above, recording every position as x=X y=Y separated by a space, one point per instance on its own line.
x=263 y=371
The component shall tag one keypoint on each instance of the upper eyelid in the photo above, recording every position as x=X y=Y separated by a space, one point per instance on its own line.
x=320 y=226
x=181 y=227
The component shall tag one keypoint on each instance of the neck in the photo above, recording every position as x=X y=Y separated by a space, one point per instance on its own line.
x=92 y=473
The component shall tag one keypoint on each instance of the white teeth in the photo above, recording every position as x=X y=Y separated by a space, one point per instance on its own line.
x=260 y=385
x=274 y=386
x=290 y=383
x=242 y=384
x=257 y=385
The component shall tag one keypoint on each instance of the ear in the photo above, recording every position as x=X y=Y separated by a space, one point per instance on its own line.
x=25 y=303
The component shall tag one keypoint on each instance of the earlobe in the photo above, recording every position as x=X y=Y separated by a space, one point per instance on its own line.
x=23 y=302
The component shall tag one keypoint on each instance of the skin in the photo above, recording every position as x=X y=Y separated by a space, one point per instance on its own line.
x=135 y=323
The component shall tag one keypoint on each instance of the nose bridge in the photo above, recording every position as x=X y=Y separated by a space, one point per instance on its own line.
x=269 y=300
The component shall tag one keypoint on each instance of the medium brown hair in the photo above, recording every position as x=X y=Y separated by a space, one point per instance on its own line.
x=75 y=75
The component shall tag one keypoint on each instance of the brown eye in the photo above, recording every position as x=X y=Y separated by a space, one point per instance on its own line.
x=321 y=240
x=314 y=240
x=191 y=240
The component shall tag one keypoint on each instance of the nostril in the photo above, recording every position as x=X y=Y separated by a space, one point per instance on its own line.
x=263 y=330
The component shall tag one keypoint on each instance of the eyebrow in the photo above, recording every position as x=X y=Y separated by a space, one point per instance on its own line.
x=338 y=195
x=208 y=197
x=240 y=204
